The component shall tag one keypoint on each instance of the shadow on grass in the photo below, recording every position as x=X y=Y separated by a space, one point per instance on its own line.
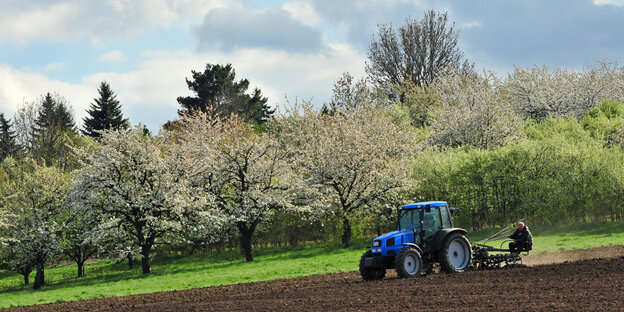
x=87 y=280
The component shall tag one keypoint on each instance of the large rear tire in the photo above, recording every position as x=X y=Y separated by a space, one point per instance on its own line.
x=368 y=273
x=408 y=263
x=456 y=254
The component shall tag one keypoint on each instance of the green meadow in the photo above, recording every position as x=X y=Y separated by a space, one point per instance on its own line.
x=105 y=278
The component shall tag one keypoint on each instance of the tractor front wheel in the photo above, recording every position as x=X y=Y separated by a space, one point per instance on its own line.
x=408 y=263
x=456 y=254
x=368 y=273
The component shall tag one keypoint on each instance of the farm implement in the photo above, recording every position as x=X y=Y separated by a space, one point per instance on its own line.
x=425 y=237
x=485 y=257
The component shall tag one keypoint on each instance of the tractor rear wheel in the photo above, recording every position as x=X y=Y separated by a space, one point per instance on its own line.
x=456 y=254
x=368 y=273
x=408 y=263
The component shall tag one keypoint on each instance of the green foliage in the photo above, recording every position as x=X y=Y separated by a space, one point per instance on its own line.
x=422 y=103
x=603 y=121
x=559 y=173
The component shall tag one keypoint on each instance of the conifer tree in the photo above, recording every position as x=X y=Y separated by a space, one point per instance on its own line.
x=53 y=129
x=104 y=114
x=53 y=113
x=217 y=87
x=8 y=144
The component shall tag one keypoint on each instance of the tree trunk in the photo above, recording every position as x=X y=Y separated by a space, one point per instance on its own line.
x=246 y=234
x=145 y=264
x=130 y=261
x=26 y=277
x=80 y=268
x=39 y=277
x=346 y=232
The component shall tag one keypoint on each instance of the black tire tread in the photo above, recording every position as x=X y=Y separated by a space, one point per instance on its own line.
x=370 y=274
x=398 y=262
x=445 y=264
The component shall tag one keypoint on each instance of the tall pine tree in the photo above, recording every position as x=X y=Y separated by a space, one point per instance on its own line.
x=104 y=114
x=8 y=144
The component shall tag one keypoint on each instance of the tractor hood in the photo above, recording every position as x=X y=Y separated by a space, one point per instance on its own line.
x=393 y=234
x=391 y=243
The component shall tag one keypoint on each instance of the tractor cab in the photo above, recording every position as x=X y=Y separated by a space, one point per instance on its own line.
x=425 y=219
x=424 y=236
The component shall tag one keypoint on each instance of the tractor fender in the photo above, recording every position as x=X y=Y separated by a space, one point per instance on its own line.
x=412 y=245
x=442 y=234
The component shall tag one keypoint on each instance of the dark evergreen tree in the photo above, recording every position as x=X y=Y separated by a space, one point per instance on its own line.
x=8 y=144
x=258 y=111
x=53 y=113
x=104 y=114
x=216 y=87
x=53 y=130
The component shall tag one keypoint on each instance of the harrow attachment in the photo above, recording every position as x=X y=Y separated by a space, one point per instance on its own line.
x=485 y=257
x=483 y=260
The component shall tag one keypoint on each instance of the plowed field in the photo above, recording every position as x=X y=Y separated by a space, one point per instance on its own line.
x=579 y=285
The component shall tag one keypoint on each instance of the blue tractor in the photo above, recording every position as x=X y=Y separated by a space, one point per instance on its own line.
x=425 y=235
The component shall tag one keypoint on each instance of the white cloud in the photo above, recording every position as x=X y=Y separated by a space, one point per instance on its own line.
x=98 y=21
x=18 y=86
x=113 y=56
x=54 y=67
x=609 y=2
x=471 y=24
x=303 y=12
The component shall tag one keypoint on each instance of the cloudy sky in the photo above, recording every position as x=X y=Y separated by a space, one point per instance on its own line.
x=289 y=49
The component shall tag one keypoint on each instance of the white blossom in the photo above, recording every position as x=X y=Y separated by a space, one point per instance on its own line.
x=138 y=183
x=539 y=91
x=475 y=111
x=29 y=221
x=244 y=175
x=353 y=157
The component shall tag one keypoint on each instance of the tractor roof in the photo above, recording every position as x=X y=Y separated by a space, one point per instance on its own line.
x=423 y=204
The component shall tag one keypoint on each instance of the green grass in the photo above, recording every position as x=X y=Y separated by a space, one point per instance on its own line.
x=107 y=279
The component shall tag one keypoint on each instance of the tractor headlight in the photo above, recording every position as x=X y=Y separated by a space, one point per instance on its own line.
x=376 y=243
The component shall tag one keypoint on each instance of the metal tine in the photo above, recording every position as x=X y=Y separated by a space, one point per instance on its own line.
x=502 y=233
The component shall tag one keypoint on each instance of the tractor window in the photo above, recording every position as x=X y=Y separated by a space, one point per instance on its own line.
x=446 y=219
x=431 y=221
x=409 y=219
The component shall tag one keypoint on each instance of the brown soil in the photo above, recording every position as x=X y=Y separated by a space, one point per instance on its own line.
x=585 y=284
x=573 y=255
